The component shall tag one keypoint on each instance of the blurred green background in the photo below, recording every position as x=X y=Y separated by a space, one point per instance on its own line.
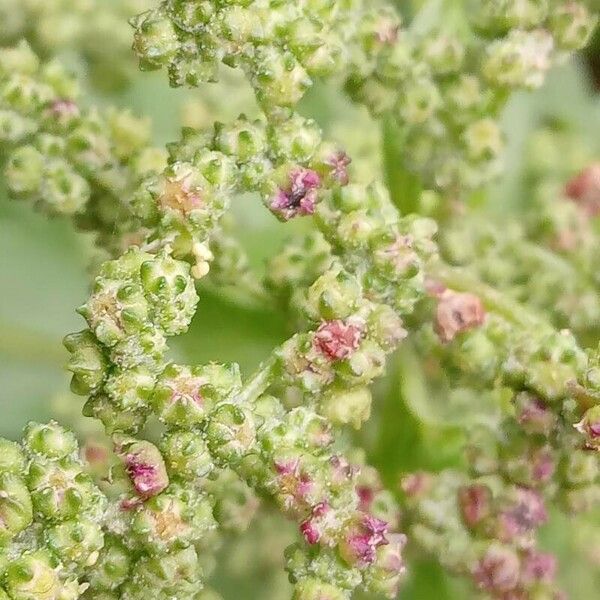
x=43 y=278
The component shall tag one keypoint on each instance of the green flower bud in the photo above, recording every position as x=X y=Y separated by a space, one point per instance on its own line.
x=170 y=291
x=64 y=191
x=49 y=440
x=572 y=25
x=235 y=502
x=521 y=59
x=173 y=519
x=76 y=541
x=24 y=171
x=14 y=127
x=186 y=454
x=112 y=417
x=335 y=295
x=244 y=140
x=87 y=362
x=115 y=310
x=174 y=575
x=278 y=78
x=295 y=140
x=343 y=407
x=112 y=566
x=155 y=40
x=60 y=490
x=443 y=54
x=12 y=459
x=230 y=433
x=364 y=365
x=130 y=389
x=418 y=102
x=185 y=396
x=313 y=589
x=16 y=512
x=34 y=577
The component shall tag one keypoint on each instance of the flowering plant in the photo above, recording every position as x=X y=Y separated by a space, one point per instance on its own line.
x=398 y=277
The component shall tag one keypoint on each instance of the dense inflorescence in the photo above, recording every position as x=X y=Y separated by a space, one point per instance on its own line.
x=191 y=452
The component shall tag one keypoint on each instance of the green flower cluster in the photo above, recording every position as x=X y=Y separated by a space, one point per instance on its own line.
x=59 y=26
x=352 y=286
x=66 y=159
x=51 y=516
x=280 y=46
x=445 y=90
x=137 y=301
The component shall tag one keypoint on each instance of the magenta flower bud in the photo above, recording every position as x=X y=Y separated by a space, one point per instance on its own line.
x=144 y=465
x=179 y=194
x=590 y=427
x=474 y=503
x=336 y=339
x=416 y=484
x=498 y=570
x=543 y=465
x=321 y=520
x=63 y=110
x=538 y=566
x=341 y=471
x=294 y=485
x=339 y=162
x=533 y=415
x=361 y=540
x=457 y=312
x=526 y=514
x=584 y=189
x=299 y=197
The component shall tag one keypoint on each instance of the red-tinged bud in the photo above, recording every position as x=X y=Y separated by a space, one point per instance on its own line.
x=475 y=503
x=293 y=483
x=337 y=339
x=590 y=427
x=181 y=195
x=457 y=312
x=144 y=464
x=538 y=566
x=498 y=570
x=63 y=110
x=299 y=197
x=533 y=415
x=341 y=471
x=415 y=485
x=584 y=189
x=339 y=162
x=526 y=513
x=321 y=521
x=543 y=465
x=361 y=540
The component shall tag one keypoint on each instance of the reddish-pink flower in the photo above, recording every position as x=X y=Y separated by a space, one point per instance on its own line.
x=337 y=339
x=538 y=566
x=339 y=162
x=315 y=527
x=584 y=189
x=474 y=502
x=498 y=570
x=362 y=538
x=299 y=197
x=456 y=313
x=294 y=484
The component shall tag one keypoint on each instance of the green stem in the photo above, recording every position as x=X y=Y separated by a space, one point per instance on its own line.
x=258 y=382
